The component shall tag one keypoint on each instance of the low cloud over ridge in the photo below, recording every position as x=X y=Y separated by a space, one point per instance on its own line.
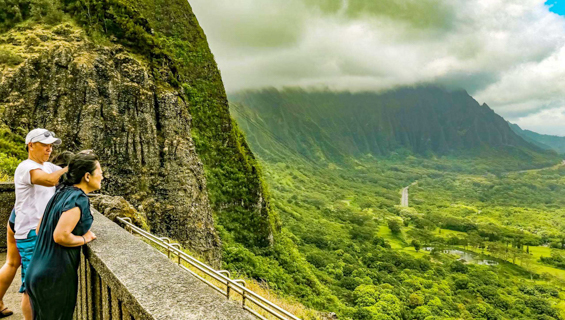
x=507 y=53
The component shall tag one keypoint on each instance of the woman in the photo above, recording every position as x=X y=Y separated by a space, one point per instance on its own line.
x=10 y=267
x=52 y=276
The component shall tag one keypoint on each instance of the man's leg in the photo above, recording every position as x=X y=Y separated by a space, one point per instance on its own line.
x=26 y=307
x=25 y=248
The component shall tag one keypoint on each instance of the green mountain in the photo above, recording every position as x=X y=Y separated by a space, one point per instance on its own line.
x=338 y=126
x=547 y=142
x=469 y=243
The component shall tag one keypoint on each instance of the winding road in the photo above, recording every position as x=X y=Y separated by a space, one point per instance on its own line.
x=404 y=200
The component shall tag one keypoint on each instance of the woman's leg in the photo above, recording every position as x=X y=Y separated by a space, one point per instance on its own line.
x=9 y=269
x=26 y=307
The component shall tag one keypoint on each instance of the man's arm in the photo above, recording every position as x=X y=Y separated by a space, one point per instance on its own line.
x=42 y=178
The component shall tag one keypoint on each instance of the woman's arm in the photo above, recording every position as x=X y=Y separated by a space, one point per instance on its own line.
x=63 y=231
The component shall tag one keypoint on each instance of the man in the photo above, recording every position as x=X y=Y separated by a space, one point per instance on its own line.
x=35 y=180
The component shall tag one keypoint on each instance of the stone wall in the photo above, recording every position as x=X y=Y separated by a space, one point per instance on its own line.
x=122 y=277
x=7 y=200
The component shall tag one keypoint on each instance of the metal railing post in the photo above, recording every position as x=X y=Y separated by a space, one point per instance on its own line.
x=243 y=296
x=228 y=285
x=127 y=226
x=179 y=248
x=167 y=241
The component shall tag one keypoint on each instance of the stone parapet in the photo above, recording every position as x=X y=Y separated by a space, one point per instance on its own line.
x=7 y=200
x=122 y=277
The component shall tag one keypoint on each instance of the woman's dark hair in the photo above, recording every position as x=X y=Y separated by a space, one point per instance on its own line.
x=79 y=165
x=63 y=159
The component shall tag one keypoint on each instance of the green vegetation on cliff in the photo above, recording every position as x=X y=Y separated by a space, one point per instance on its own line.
x=12 y=152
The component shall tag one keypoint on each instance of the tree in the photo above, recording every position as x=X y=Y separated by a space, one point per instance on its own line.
x=415 y=300
x=394 y=226
x=416 y=245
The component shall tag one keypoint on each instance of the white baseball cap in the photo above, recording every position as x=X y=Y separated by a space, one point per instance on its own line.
x=42 y=135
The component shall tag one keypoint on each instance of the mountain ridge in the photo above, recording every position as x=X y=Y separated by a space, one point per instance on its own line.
x=326 y=126
x=544 y=141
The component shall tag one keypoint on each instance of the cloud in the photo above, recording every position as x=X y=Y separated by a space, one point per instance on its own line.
x=548 y=121
x=507 y=53
x=418 y=13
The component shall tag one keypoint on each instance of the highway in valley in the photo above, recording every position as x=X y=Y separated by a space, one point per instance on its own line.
x=404 y=200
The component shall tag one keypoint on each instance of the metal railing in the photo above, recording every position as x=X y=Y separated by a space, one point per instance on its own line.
x=222 y=276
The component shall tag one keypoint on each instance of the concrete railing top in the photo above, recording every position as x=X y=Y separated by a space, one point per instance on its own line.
x=151 y=285
x=7 y=186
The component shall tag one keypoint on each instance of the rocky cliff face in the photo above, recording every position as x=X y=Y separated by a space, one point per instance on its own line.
x=104 y=98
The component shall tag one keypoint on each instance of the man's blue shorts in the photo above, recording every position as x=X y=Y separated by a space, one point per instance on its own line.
x=12 y=220
x=26 y=248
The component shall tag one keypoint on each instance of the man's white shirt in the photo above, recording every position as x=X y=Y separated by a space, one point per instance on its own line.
x=31 y=199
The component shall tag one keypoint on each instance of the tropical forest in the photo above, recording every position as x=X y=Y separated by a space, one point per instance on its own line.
x=349 y=160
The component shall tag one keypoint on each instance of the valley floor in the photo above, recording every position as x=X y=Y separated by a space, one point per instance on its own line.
x=344 y=219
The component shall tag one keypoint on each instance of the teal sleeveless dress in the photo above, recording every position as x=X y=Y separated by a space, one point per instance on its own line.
x=52 y=276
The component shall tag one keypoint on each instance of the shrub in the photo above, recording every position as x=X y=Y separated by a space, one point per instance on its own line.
x=394 y=226
x=10 y=58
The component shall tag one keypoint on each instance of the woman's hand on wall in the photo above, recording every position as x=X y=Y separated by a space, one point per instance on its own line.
x=89 y=236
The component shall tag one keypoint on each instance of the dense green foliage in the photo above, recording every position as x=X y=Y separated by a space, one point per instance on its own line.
x=556 y=260
x=347 y=224
x=12 y=152
x=383 y=261
x=16 y=11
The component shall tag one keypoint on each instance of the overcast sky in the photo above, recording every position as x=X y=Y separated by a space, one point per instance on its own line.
x=507 y=53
